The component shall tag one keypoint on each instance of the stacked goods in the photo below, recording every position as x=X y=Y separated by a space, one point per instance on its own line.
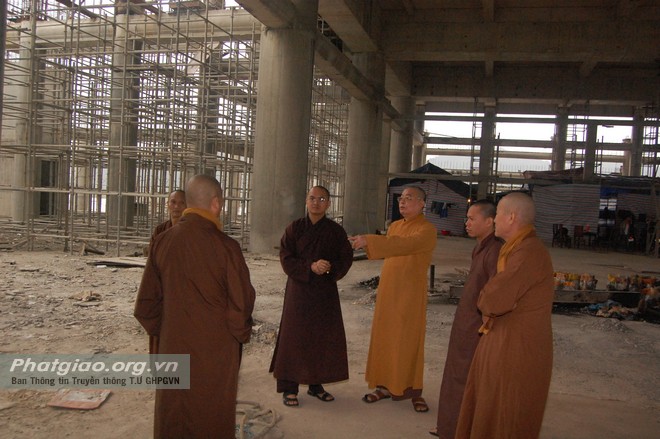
x=574 y=281
x=630 y=283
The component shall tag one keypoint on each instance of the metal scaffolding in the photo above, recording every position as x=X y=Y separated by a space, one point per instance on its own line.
x=109 y=106
x=328 y=140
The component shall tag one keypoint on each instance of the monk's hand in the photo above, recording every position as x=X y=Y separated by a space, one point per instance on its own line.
x=317 y=268
x=324 y=266
x=358 y=242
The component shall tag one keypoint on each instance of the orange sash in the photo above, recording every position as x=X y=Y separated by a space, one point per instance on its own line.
x=204 y=214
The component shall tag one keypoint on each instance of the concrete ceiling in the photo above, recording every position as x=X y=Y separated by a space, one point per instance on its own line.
x=528 y=56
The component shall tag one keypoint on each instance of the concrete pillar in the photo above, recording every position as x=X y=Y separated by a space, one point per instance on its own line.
x=627 y=157
x=22 y=202
x=363 y=152
x=282 y=129
x=123 y=127
x=400 y=158
x=559 y=149
x=634 y=168
x=486 y=152
x=383 y=174
x=3 y=32
x=590 y=152
x=418 y=156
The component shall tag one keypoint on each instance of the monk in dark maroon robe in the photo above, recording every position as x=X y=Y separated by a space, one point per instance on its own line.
x=467 y=320
x=311 y=345
x=196 y=296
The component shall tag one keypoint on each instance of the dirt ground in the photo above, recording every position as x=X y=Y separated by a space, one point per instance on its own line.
x=605 y=384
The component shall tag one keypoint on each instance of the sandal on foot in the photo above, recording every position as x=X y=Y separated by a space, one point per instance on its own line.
x=419 y=404
x=323 y=396
x=434 y=432
x=290 y=399
x=376 y=395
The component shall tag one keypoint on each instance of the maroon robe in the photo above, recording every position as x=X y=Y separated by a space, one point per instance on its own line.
x=465 y=335
x=197 y=297
x=311 y=344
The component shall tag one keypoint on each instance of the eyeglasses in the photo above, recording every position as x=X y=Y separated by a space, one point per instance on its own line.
x=311 y=199
x=408 y=198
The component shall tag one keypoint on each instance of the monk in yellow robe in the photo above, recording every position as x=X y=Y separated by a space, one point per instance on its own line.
x=395 y=365
x=509 y=379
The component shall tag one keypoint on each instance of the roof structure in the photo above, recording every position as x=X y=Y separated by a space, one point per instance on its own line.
x=459 y=187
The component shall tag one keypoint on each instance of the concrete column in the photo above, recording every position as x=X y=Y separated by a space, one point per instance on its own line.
x=363 y=153
x=282 y=129
x=486 y=148
x=400 y=158
x=23 y=202
x=383 y=174
x=559 y=148
x=417 y=156
x=627 y=157
x=590 y=152
x=418 y=149
x=3 y=35
x=634 y=168
x=122 y=170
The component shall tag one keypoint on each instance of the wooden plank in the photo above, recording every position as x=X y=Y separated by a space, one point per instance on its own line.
x=626 y=298
x=120 y=262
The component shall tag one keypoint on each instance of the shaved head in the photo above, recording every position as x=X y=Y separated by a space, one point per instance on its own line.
x=514 y=212
x=420 y=192
x=522 y=205
x=201 y=190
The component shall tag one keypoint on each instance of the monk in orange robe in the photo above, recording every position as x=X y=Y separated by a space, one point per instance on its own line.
x=509 y=380
x=395 y=365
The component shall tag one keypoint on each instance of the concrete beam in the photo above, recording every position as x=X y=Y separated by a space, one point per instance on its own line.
x=539 y=84
x=88 y=33
x=327 y=57
x=528 y=155
x=405 y=39
x=398 y=77
x=510 y=106
x=356 y=22
x=272 y=13
x=340 y=69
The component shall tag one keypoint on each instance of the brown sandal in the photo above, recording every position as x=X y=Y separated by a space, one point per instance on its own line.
x=376 y=395
x=419 y=404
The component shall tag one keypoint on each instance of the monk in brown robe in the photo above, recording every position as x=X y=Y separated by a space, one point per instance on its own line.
x=311 y=344
x=176 y=204
x=509 y=379
x=479 y=224
x=395 y=365
x=197 y=297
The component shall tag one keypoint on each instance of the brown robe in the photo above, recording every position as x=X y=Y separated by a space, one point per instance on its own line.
x=160 y=228
x=465 y=335
x=311 y=344
x=509 y=379
x=197 y=297
x=396 y=349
